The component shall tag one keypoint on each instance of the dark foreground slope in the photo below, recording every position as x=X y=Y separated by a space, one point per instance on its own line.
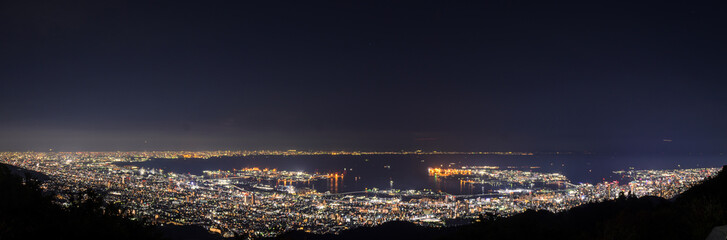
x=691 y=215
x=390 y=230
x=25 y=213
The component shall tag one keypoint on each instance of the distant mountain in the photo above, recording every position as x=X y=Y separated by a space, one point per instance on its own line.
x=690 y=215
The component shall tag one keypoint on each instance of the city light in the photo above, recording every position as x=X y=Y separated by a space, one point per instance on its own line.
x=239 y=202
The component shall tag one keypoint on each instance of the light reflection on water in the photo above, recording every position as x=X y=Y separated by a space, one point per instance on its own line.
x=357 y=173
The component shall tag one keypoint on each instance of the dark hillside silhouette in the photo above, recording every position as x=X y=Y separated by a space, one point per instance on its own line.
x=25 y=213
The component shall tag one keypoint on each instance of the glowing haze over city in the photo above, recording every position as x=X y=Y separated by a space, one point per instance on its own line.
x=257 y=119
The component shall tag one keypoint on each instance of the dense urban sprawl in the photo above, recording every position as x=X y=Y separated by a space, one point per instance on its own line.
x=237 y=203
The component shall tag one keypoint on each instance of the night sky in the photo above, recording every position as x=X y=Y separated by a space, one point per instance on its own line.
x=349 y=75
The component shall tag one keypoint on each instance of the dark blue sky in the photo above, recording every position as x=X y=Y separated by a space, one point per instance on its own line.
x=507 y=75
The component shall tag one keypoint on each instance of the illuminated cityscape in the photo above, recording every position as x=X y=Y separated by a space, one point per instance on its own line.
x=361 y=120
x=257 y=202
